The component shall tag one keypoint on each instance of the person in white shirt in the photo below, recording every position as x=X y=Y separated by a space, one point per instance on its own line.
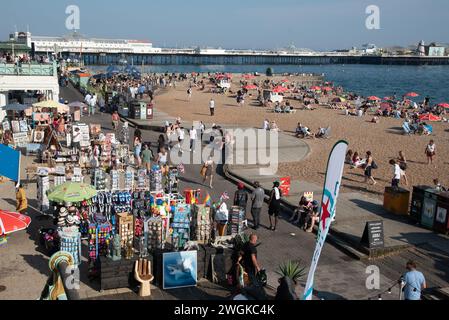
x=266 y=125
x=76 y=140
x=180 y=133
x=397 y=173
x=193 y=136
x=212 y=107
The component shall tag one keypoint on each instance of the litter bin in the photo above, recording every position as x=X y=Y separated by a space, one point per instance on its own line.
x=417 y=202
x=429 y=208
x=396 y=200
x=441 y=218
x=150 y=111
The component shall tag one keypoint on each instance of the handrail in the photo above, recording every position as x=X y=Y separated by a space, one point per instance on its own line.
x=28 y=69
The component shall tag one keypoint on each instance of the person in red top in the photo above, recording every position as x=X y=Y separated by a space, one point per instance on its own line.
x=115 y=120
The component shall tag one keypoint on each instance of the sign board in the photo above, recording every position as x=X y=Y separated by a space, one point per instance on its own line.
x=20 y=139
x=373 y=236
x=85 y=136
x=308 y=196
x=285 y=184
x=10 y=160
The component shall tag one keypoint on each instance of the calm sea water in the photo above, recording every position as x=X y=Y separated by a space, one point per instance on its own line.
x=379 y=80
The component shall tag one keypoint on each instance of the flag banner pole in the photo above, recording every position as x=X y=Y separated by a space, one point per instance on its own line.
x=331 y=190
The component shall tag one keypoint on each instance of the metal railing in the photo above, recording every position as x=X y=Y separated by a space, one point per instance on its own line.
x=28 y=69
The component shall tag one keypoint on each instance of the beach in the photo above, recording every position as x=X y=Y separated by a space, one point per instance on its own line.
x=384 y=139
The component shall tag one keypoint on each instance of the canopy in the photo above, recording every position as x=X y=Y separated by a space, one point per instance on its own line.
x=339 y=99
x=411 y=94
x=72 y=192
x=374 y=98
x=444 y=105
x=250 y=87
x=12 y=221
x=279 y=89
x=15 y=107
x=429 y=117
x=62 y=108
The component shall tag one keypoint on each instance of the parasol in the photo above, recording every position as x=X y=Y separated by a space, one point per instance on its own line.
x=412 y=94
x=444 y=105
x=12 y=221
x=62 y=108
x=374 y=98
x=279 y=89
x=250 y=87
x=72 y=192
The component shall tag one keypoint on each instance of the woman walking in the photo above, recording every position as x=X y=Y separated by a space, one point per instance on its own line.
x=368 y=168
x=137 y=151
x=207 y=171
x=430 y=152
x=274 y=205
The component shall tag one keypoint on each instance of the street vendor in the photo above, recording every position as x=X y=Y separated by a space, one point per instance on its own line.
x=21 y=200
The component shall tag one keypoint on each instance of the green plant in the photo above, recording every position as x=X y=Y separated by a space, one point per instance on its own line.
x=292 y=270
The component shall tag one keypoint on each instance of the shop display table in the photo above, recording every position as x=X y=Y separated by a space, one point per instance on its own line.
x=117 y=274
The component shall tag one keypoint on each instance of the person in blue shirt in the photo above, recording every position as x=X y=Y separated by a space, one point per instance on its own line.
x=414 y=282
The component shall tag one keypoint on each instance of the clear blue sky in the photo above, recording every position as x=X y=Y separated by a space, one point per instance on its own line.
x=315 y=24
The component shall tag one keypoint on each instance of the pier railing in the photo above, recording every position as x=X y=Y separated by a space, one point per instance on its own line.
x=28 y=69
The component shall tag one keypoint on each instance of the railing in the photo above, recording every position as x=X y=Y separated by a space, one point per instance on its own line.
x=28 y=69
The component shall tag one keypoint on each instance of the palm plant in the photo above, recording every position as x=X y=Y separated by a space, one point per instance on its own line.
x=292 y=269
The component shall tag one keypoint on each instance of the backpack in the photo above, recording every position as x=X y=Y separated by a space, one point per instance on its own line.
x=374 y=165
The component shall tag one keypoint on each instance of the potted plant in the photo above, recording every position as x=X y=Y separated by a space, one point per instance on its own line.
x=291 y=272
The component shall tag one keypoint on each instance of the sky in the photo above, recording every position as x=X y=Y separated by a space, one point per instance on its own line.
x=232 y=24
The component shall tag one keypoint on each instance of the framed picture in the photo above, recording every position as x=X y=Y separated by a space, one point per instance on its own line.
x=38 y=136
x=6 y=125
x=441 y=215
x=15 y=126
x=180 y=269
x=23 y=125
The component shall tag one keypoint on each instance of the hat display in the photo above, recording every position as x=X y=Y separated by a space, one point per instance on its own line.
x=63 y=212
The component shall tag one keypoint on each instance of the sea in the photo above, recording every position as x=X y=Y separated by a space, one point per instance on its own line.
x=365 y=80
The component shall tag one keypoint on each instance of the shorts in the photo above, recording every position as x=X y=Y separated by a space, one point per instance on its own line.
x=368 y=172
x=430 y=154
x=274 y=210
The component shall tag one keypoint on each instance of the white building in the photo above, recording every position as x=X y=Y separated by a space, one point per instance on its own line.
x=75 y=43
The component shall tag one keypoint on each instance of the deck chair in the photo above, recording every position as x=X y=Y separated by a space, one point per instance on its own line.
x=406 y=128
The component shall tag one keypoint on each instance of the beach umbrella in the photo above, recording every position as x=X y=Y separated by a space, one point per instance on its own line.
x=315 y=88
x=339 y=99
x=444 y=105
x=250 y=87
x=280 y=89
x=385 y=105
x=327 y=89
x=12 y=221
x=412 y=94
x=373 y=98
x=284 y=81
x=429 y=117
x=72 y=192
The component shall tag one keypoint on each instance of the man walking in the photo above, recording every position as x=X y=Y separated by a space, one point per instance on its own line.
x=193 y=136
x=257 y=198
x=414 y=282
x=212 y=107
x=250 y=261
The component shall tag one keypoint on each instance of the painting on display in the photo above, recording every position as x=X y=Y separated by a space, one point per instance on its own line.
x=6 y=126
x=180 y=269
x=23 y=126
x=38 y=136
x=15 y=126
